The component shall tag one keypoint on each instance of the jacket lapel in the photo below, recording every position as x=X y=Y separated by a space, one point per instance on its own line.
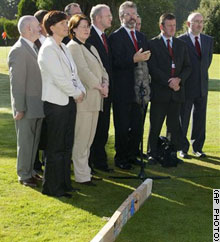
x=127 y=39
x=29 y=49
x=202 y=38
x=163 y=46
x=191 y=45
x=98 y=39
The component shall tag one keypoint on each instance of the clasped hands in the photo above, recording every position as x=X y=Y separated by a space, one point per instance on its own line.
x=174 y=83
x=103 y=89
x=141 y=56
x=80 y=98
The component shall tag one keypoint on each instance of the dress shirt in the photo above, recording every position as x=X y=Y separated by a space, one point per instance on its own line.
x=42 y=38
x=165 y=40
x=99 y=32
x=192 y=37
x=129 y=33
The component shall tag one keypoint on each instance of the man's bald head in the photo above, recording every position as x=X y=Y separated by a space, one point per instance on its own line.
x=29 y=27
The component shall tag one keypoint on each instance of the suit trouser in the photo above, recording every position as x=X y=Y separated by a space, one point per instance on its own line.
x=127 y=122
x=60 y=121
x=86 y=123
x=28 y=136
x=158 y=112
x=197 y=107
x=98 y=156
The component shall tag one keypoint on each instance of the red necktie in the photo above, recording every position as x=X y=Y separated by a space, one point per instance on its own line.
x=134 y=40
x=198 y=49
x=105 y=42
x=171 y=54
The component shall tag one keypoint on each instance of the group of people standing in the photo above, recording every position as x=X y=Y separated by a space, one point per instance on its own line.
x=69 y=79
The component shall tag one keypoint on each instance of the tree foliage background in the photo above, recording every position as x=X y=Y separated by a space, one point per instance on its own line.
x=149 y=10
x=210 y=9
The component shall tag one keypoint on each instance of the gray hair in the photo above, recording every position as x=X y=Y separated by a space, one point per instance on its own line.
x=68 y=7
x=125 y=5
x=192 y=16
x=96 y=10
x=23 y=22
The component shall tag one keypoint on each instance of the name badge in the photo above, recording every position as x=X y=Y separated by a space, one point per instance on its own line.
x=173 y=66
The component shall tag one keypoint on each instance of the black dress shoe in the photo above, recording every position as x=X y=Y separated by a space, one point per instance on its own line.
x=29 y=182
x=124 y=166
x=88 y=183
x=105 y=169
x=135 y=162
x=73 y=189
x=145 y=156
x=184 y=155
x=199 y=154
x=67 y=195
x=93 y=172
x=152 y=160
x=37 y=177
x=96 y=178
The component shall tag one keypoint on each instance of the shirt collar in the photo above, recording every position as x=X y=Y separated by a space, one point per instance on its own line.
x=192 y=36
x=99 y=32
x=30 y=43
x=127 y=29
x=165 y=39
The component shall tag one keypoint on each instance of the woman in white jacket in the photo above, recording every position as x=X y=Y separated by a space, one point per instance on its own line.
x=61 y=90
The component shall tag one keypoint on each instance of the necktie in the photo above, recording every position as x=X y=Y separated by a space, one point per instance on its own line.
x=171 y=54
x=105 y=42
x=37 y=43
x=134 y=40
x=197 y=45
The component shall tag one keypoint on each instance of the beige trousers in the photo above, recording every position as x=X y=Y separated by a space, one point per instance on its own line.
x=85 y=129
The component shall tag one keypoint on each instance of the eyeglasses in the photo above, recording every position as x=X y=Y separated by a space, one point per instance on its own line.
x=197 y=22
x=107 y=16
x=130 y=14
x=84 y=26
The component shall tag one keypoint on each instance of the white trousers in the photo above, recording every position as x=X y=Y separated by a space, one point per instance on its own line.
x=85 y=129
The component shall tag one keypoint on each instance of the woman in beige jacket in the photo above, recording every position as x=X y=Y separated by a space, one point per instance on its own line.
x=95 y=80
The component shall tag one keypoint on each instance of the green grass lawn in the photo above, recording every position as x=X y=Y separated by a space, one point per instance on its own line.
x=179 y=210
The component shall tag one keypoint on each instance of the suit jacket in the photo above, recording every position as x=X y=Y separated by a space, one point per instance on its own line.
x=91 y=72
x=25 y=80
x=95 y=40
x=57 y=74
x=160 y=69
x=123 y=65
x=196 y=84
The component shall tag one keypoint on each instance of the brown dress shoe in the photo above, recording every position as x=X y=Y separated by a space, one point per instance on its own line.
x=29 y=182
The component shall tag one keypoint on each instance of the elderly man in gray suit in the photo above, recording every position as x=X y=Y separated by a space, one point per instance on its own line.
x=200 y=48
x=26 y=88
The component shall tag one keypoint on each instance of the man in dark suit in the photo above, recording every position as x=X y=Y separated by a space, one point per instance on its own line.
x=26 y=90
x=200 y=48
x=169 y=67
x=101 y=18
x=128 y=48
x=71 y=9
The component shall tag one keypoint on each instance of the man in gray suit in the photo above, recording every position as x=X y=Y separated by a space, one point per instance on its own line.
x=26 y=88
x=200 y=48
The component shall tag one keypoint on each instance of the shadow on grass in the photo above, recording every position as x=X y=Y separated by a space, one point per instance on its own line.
x=8 y=136
x=214 y=85
x=4 y=91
